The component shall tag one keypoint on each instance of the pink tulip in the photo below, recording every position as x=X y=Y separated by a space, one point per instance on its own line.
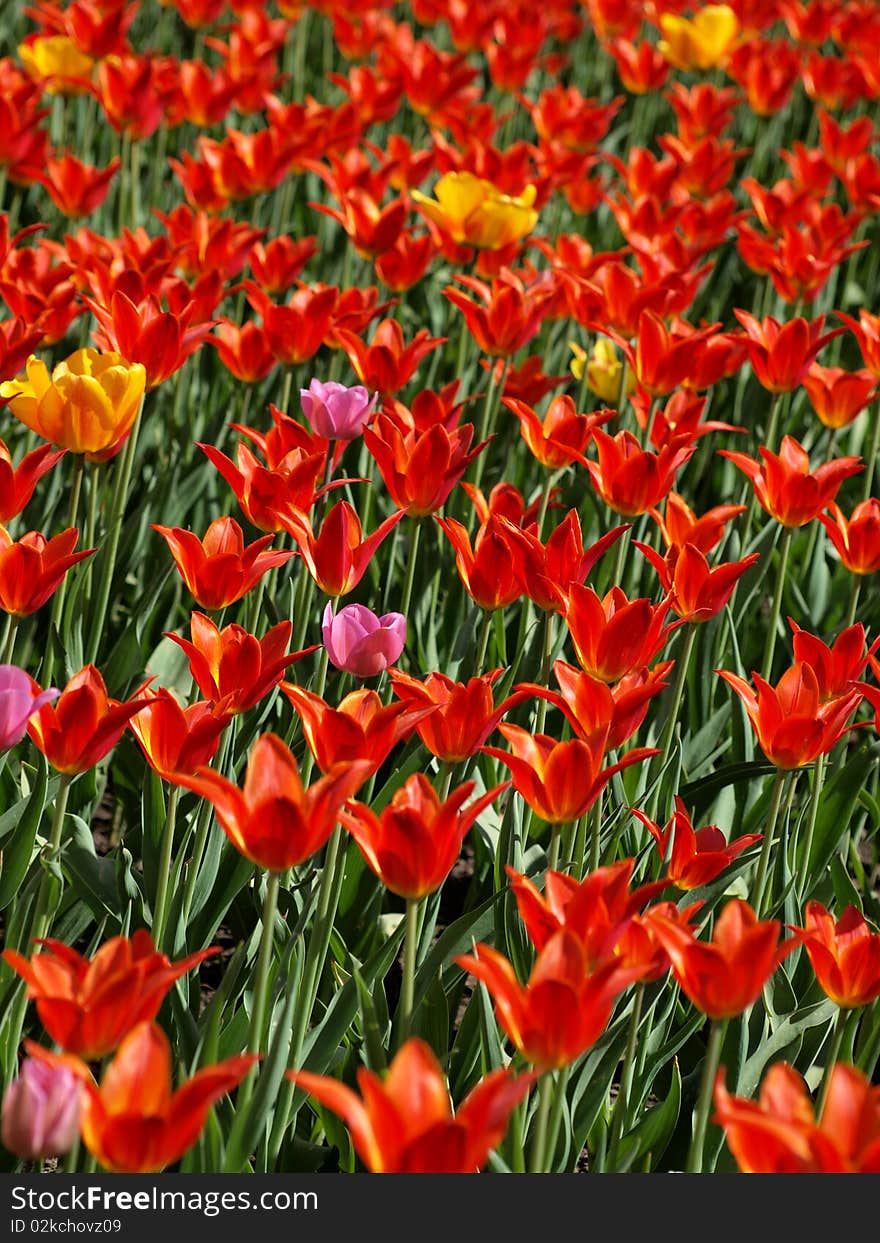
x=41 y=1111
x=336 y=412
x=359 y=642
x=20 y=697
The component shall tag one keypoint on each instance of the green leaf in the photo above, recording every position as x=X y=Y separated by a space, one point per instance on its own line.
x=19 y=843
x=654 y=1131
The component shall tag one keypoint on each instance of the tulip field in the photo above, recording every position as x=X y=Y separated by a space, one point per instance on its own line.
x=439 y=623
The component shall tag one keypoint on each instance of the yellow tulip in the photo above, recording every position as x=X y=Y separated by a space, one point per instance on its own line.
x=603 y=369
x=473 y=212
x=58 y=63
x=701 y=43
x=88 y=404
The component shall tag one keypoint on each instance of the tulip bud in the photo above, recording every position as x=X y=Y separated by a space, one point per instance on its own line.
x=336 y=412
x=20 y=697
x=41 y=1111
x=361 y=643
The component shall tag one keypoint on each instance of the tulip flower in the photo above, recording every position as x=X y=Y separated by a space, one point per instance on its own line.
x=601 y=715
x=702 y=42
x=838 y=396
x=274 y=821
x=856 y=539
x=17 y=483
x=338 y=555
x=405 y=1124
x=698 y=856
x=724 y=976
x=89 y=1005
x=178 y=740
x=133 y=1123
x=20 y=698
x=485 y=569
x=845 y=954
x=782 y=354
x=32 y=568
x=508 y=315
x=82 y=725
x=219 y=569
x=779 y=1133
x=243 y=351
x=597 y=910
x=680 y=525
x=563 y=1009
x=359 y=642
x=792 y=723
x=559 y=780
x=836 y=667
x=414 y=843
x=696 y=591
x=336 y=412
x=235 y=666
x=604 y=370
x=464 y=713
x=663 y=357
x=614 y=636
x=784 y=485
x=547 y=571
x=420 y=469
x=88 y=404
x=41 y=1111
x=562 y=436
x=630 y=480
x=867 y=334
x=361 y=728
x=473 y=212
x=387 y=364
x=269 y=496
x=57 y=63
x=160 y=341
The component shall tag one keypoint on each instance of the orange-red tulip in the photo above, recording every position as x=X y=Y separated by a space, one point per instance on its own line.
x=696 y=591
x=32 y=568
x=88 y=1005
x=133 y=1123
x=845 y=954
x=698 y=856
x=83 y=724
x=413 y=844
x=486 y=569
x=722 y=977
x=782 y=354
x=561 y=436
x=17 y=483
x=387 y=364
x=274 y=821
x=338 y=555
x=563 y=1009
x=836 y=667
x=547 y=571
x=857 y=538
x=779 y=1133
x=838 y=396
x=219 y=569
x=361 y=728
x=178 y=740
x=614 y=636
x=465 y=712
x=235 y=666
x=629 y=479
x=404 y=1124
x=784 y=485
x=792 y=723
x=420 y=469
x=559 y=780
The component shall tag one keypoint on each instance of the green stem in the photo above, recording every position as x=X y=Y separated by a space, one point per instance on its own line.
x=9 y=639
x=818 y=782
x=160 y=912
x=871 y=459
x=483 y=645
x=553 y=847
x=415 y=531
x=117 y=507
x=42 y=918
x=757 y=894
x=770 y=646
x=704 y=1103
x=668 y=734
x=621 y=1105
x=490 y=409
x=854 y=592
x=261 y=983
x=58 y=598
x=542 y=1118
x=410 y=948
x=556 y=1112
x=833 y=1054
x=596 y=834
